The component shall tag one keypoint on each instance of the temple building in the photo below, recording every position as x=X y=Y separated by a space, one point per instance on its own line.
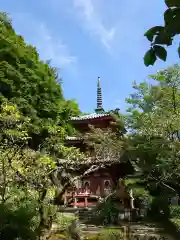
x=102 y=182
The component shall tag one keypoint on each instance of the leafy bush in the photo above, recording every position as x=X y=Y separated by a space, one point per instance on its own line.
x=107 y=212
x=175 y=211
x=64 y=221
x=176 y=223
x=16 y=223
x=111 y=234
x=175 y=216
x=107 y=234
x=159 y=208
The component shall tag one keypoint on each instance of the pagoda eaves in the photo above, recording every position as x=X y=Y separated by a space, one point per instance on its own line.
x=90 y=116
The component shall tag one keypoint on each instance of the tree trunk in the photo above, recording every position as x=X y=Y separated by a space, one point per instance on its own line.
x=43 y=225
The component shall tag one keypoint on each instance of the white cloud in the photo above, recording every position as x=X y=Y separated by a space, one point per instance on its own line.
x=93 y=21
x=117 y=24
x=49 y=46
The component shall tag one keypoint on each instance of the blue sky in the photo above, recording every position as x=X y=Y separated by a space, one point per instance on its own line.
x=90 y=38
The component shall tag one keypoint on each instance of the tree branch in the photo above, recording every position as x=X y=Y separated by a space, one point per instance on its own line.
x=164 y=184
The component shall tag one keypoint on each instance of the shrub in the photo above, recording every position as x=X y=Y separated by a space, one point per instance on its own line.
x=16 y=223
x=175 y=211
x=107 y=212
x=107 y=234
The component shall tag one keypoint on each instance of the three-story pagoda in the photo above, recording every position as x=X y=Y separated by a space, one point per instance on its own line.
x=101 y=183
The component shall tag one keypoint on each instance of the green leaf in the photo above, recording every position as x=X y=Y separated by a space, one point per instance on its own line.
x=160 y=52
x=164 y=38
x=179 y=50
x=177 y=20
x=172 y=20
x=168 y=17
x=152 y=32
x=149 y=57
x=172 y=3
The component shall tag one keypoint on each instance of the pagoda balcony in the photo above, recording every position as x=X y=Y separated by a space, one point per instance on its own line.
x=82 y=192
x=87 y=192
x=81 y=197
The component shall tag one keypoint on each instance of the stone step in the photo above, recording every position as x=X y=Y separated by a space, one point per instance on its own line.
x=139 y=234
x=146 y=229
x=90 y=228
x=140 y=229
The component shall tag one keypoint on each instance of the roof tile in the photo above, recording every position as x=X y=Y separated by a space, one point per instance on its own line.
x=90 y=116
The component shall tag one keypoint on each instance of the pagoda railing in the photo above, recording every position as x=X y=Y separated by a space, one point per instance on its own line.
x=82 y=191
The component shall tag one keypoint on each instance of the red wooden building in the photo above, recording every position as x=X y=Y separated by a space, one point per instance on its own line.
x=92 y=188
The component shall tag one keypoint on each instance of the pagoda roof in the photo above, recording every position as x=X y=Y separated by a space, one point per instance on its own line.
x=93 y=160
x=90 y=116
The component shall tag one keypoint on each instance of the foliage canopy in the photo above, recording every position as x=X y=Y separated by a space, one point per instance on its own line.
x=33 y=124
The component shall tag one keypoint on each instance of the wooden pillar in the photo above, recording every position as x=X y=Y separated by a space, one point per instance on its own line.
x=65 y=198
x=75 y=202
x=124 y=230
x=86 y=202
x=131 y=199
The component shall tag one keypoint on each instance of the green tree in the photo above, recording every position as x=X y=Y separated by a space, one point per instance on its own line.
x=34 y=120
x=107 y=146
x=161 y=36
x=24 y=172
x=32 y=85
x=29 y=178
x=154 y=123
x=13 y=134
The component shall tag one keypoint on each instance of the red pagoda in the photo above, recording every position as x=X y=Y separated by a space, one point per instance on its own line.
x=101 y=183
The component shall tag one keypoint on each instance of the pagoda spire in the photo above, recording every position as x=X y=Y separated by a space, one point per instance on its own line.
x=99 y=107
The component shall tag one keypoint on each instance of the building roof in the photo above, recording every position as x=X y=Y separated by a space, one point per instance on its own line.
x=90 y=116
x=93 y=160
